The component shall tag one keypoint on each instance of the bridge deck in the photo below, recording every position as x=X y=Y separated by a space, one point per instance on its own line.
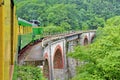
x=34 y=54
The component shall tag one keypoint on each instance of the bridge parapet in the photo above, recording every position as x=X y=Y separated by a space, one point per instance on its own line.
x=73 y=34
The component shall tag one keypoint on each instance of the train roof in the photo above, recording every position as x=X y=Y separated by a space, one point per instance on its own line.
x=24 y=23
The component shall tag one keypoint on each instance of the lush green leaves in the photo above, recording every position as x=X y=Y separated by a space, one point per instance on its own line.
x=53 y=30
x=70 y=14
x=29 y=73
x=102 y=58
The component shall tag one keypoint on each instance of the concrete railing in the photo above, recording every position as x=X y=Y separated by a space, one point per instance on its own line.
x=49 y=38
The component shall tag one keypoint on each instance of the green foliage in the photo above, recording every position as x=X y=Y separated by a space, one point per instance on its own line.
x=62 y=15
x=85 y=26
x=53 y=29
x=101 y=60
x=29 y=73
x=65 y=25
x=70 y=14
x=15 y=72
x=115 y=21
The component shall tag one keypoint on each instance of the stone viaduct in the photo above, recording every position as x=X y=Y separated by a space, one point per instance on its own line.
x=51 y=54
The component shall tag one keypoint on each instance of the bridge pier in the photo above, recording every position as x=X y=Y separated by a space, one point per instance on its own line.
x=55 y=52
x=63 y=67
x=72 y=63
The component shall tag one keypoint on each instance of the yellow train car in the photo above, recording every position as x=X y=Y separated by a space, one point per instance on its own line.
x=8 y=39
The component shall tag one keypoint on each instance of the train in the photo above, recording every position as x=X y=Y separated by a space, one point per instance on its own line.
x=15 y=34
x=28 y=32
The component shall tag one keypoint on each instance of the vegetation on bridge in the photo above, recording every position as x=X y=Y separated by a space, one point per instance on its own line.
x=102 y=58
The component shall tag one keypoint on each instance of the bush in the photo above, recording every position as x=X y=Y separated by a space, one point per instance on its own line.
x=102 y=57
x=28 y=73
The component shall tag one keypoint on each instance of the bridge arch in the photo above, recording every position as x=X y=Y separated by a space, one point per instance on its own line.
x=85 y=42
x=46 y=66
x=58 y=58
x=93 y=36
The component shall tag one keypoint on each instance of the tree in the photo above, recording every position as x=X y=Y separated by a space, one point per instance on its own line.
x=51 y=29
x=102 y=58
x=29 y=73
x=73 y=13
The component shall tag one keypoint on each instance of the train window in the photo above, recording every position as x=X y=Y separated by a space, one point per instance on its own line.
x=35 y=22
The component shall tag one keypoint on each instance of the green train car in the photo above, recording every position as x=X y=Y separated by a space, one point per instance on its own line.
x=28 y=33
x=37 y=32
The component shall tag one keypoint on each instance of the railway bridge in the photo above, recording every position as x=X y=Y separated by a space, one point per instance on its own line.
x=51 y=54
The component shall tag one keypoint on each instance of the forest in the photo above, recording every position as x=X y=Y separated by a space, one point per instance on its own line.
x=68 y=14
x=101 y=58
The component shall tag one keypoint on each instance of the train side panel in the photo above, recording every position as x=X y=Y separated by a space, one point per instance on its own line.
x=5 y=40
x=1 y=43
x=8 y=38
x=15 y=37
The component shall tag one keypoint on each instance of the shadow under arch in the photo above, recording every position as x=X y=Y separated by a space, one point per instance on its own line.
x=58 y=58
x=46 y=68
x=92 y=39
x=85 y=41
